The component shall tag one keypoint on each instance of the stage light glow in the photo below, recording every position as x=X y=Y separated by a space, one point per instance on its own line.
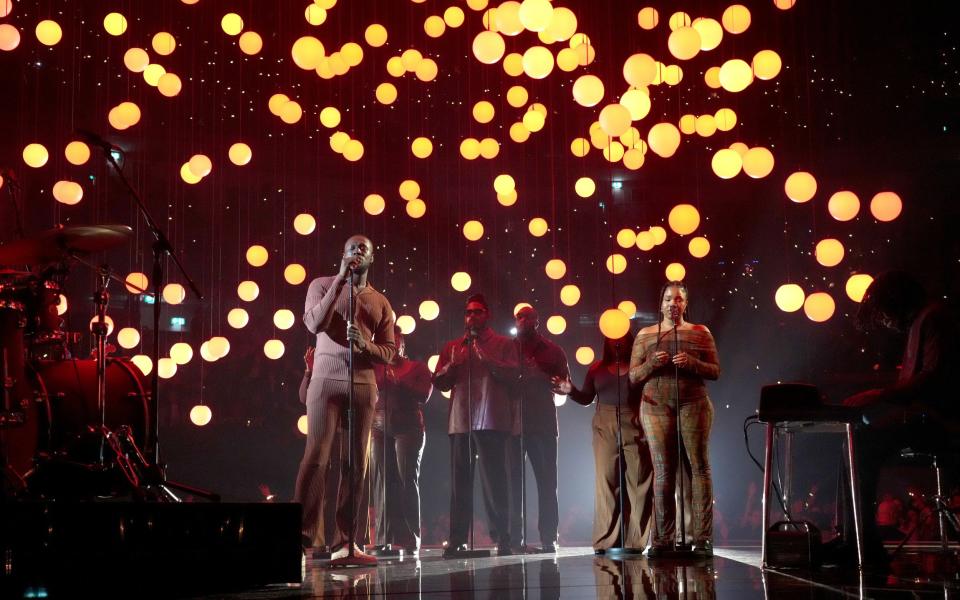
x=461 y=281
x=726 y=163
x=556 y=324
x=200 y=414
x=508 y=199
x=699 y=247
x=174 y=293
x=616 y=263
x=555 y=268
x=114 y=23
x=49 y=32
x=136 y=280
x=736 y=18
x=886 y=206
x=429 y=310
x=585 y=187
x=614 y=324
x=231 y=23
x=584 y=355
x=843 y=205
x=626 y=238
x=473 y=230
x=800 y=187
x=35 y=155
x=219 y=346
x=169 y=84
x=789 y=297
x=409 y=189
x=273 y=349
x=67 y=192
x=675 y=272
x=628 y=307
x=128 y=337
x=684 y=219
x=416 y=208
x=488 y=46
x=136 y=59
x=489 y=148
x=684 y=43
x=705 y=125
x=533 y=121
x=664 y=139
x=181 y=353
x=163 y=43
x=562 y=26
x=421 y=147
x=284 y=319
x=712 y=78
x=143 y=362
x=711 y=32
x=819 y=307
x=454 y=16
x=659 y=234
x=504 y=183
x=257 y=255
x=294 y=274
x=386 y=93
x=537 y=62
x=248 y=291
x=569 y=295
x=735 y=75
x=240 y=154
x=250 y=42
x=200 y=165
x=647 y=18
x=588 y=90
x=857 y=285
x=9 y=37
x=166 y=368
x=637 y=101
x=679 y=19
x=427 y=70
x=538 y=226
x=375 y=35
x=238 y=318
x=615 y=119
x=645 y=241
x=758 y=162
x=829 y=252
x=766 y=64
x=470 y=148
x=432 y=362
x=303 y=424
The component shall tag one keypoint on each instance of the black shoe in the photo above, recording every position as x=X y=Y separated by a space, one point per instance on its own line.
x=452 y=550
x=411 y=551
x=655 y=552
x=504 y=549
x=549 y=548
x=703 y=549
x=599 y=551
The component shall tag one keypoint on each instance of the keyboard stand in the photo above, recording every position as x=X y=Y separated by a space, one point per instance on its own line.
x=774 y=428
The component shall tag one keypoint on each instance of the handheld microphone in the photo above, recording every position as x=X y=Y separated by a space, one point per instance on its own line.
x=675 y=313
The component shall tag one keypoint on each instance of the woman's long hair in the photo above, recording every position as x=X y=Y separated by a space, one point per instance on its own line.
x=609 y=355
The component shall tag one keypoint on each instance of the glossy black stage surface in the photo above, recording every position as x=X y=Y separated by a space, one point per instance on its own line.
x=575 y=573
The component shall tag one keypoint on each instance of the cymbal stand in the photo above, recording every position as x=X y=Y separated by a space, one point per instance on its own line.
x=100 y=330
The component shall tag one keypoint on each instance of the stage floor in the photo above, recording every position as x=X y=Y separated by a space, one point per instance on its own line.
x=575 y=573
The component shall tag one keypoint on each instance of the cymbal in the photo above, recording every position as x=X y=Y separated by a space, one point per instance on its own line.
x=62 y=241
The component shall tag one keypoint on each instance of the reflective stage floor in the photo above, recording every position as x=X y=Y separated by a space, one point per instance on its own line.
x=575 y=573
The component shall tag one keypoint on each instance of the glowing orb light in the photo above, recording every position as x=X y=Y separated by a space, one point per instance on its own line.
x=461 y=281
x=736 y=18
x=616 y=263
x=647 y=18
x=114 y=23
x=166 y=368
x=766 y=64
x=273 y=349
x=699 y=247
x=257 y=255
x=538 y=226
x=136 y=282
x=819 y=307
x=555 y=268
x=684 y=219
x=248 y=290
x=128 y=337
x=407 y=324
x=585 y=187
x=416 y=208
x=664 y=139
x=35 y=155
x=726 y=163
x=556 y=324
x=843 y=205
x=758 y=162
x=142 y=362
x=626 y=238
x=409 y=189
x=473 y=230
x=488 y=47
x=614 y=324
x=200 y=415
x=181 y=353
x=829 y=252
x=735 y=75
x=67 y=192
x=219 y=346
x=588 y=90
x=294 y=274
x=231 y=23
x=886 y=206
x=429 y=310
x=800 y=187
x=240 y=154
x=789 y=297
x=238 y=318
x=675 y=272
x=49 y=32
x=174 y=293
x=569 y=295
x=857 y=285
x=374 y=204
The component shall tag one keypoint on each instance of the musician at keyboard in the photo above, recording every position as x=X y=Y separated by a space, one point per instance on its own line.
x=920 y=410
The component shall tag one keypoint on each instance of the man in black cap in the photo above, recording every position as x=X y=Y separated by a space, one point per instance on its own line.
x=480 y=367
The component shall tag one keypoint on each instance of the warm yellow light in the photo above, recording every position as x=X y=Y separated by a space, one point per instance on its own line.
x=664 y=139
x=283 y=318
x=483 y=111
x=257 y=255
x=407 y=324
x=291 y=112
x=169 y=84
x=238 y=318
x=569 y=295
x=181 y=353
x=735 y=75
x=294 y=274
x=219 y=346
x=434 y=26
x=675 y=272
x=537 y=62
x=556 y=324
x=206 y=354
x=567 y=60
x=517 y=97
x=503 y=183
x=513 y=64
x=699 y=247
x=276 y=102
x=637 y=101
x=789 y=297
x=843 y=205
x=628 y=307
x=711 y=32
x=473 y=230
x=645 y=241
x=886 y=206
x=800 y=186
x=375 y=35
x=329 y=117
x=614 y=324
x=758 y=162
x=857 y=286
x=67 y=192
x=395 y=66
x=115 y=23
x=49 y=32
x=273 y=349
x=143 y=362
x=684 y=43
x=588 y=90
x=726 y=163
x=736 y=19
x=626 y=238
x=461 y=281
x=421 y=147
x=562 y=26
x=633 y=158
x=679 y=19
x=519 y=133
x=125 y=114
x=315 y=15
x=684 y=219
x=829 y=252
x=128 y=337
x=166 y=368
x=534 y=121
x=740 y=148
x=712 y=78
x=135 y=59
x=705 y=125
x=353 y=150
x=659 y=234
x=538 y=227
x=163 y=43
x=174 y=293
x=429 y=310
x=508 y=199
x=454 y=16
x=200 y=165
x=580 y=147
x=488 y=47
x=615 y=119
x=409 y=189
x=427 y=70
x=766 y=64
x=151 y=74
x=35 y=155
x=231 y=23
x=248 y=290
x=489 y=148
x=307 y=52
x=200 y=414
x=647 y=18
x=374 y=204
x=616 y=263
x=136 y=280
x=725 y=119
x=470 y=148
x=250 y=43
x=819 y=307
x=240 y=154
x=416 y=208
x=585 y=187
x=555 y=268
x=386 y=93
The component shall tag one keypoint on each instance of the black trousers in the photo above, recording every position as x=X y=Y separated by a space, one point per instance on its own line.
x=396 y=486
x=541 y=450
x=491 y=447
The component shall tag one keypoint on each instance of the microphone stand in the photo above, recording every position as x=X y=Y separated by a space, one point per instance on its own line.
x=622 y=549
x=523 y=463
x=682 y=547
x=161 y=247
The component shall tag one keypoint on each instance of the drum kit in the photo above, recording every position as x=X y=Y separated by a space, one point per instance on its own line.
x=69 y=427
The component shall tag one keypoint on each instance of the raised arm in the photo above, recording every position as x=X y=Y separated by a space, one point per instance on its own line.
x=321 y=304
x=583 y=396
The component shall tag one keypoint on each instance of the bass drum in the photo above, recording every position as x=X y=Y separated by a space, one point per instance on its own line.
x=62 y=419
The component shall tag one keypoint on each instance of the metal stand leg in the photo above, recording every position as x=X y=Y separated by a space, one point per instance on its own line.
x=767 y=475
x=855 y=492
